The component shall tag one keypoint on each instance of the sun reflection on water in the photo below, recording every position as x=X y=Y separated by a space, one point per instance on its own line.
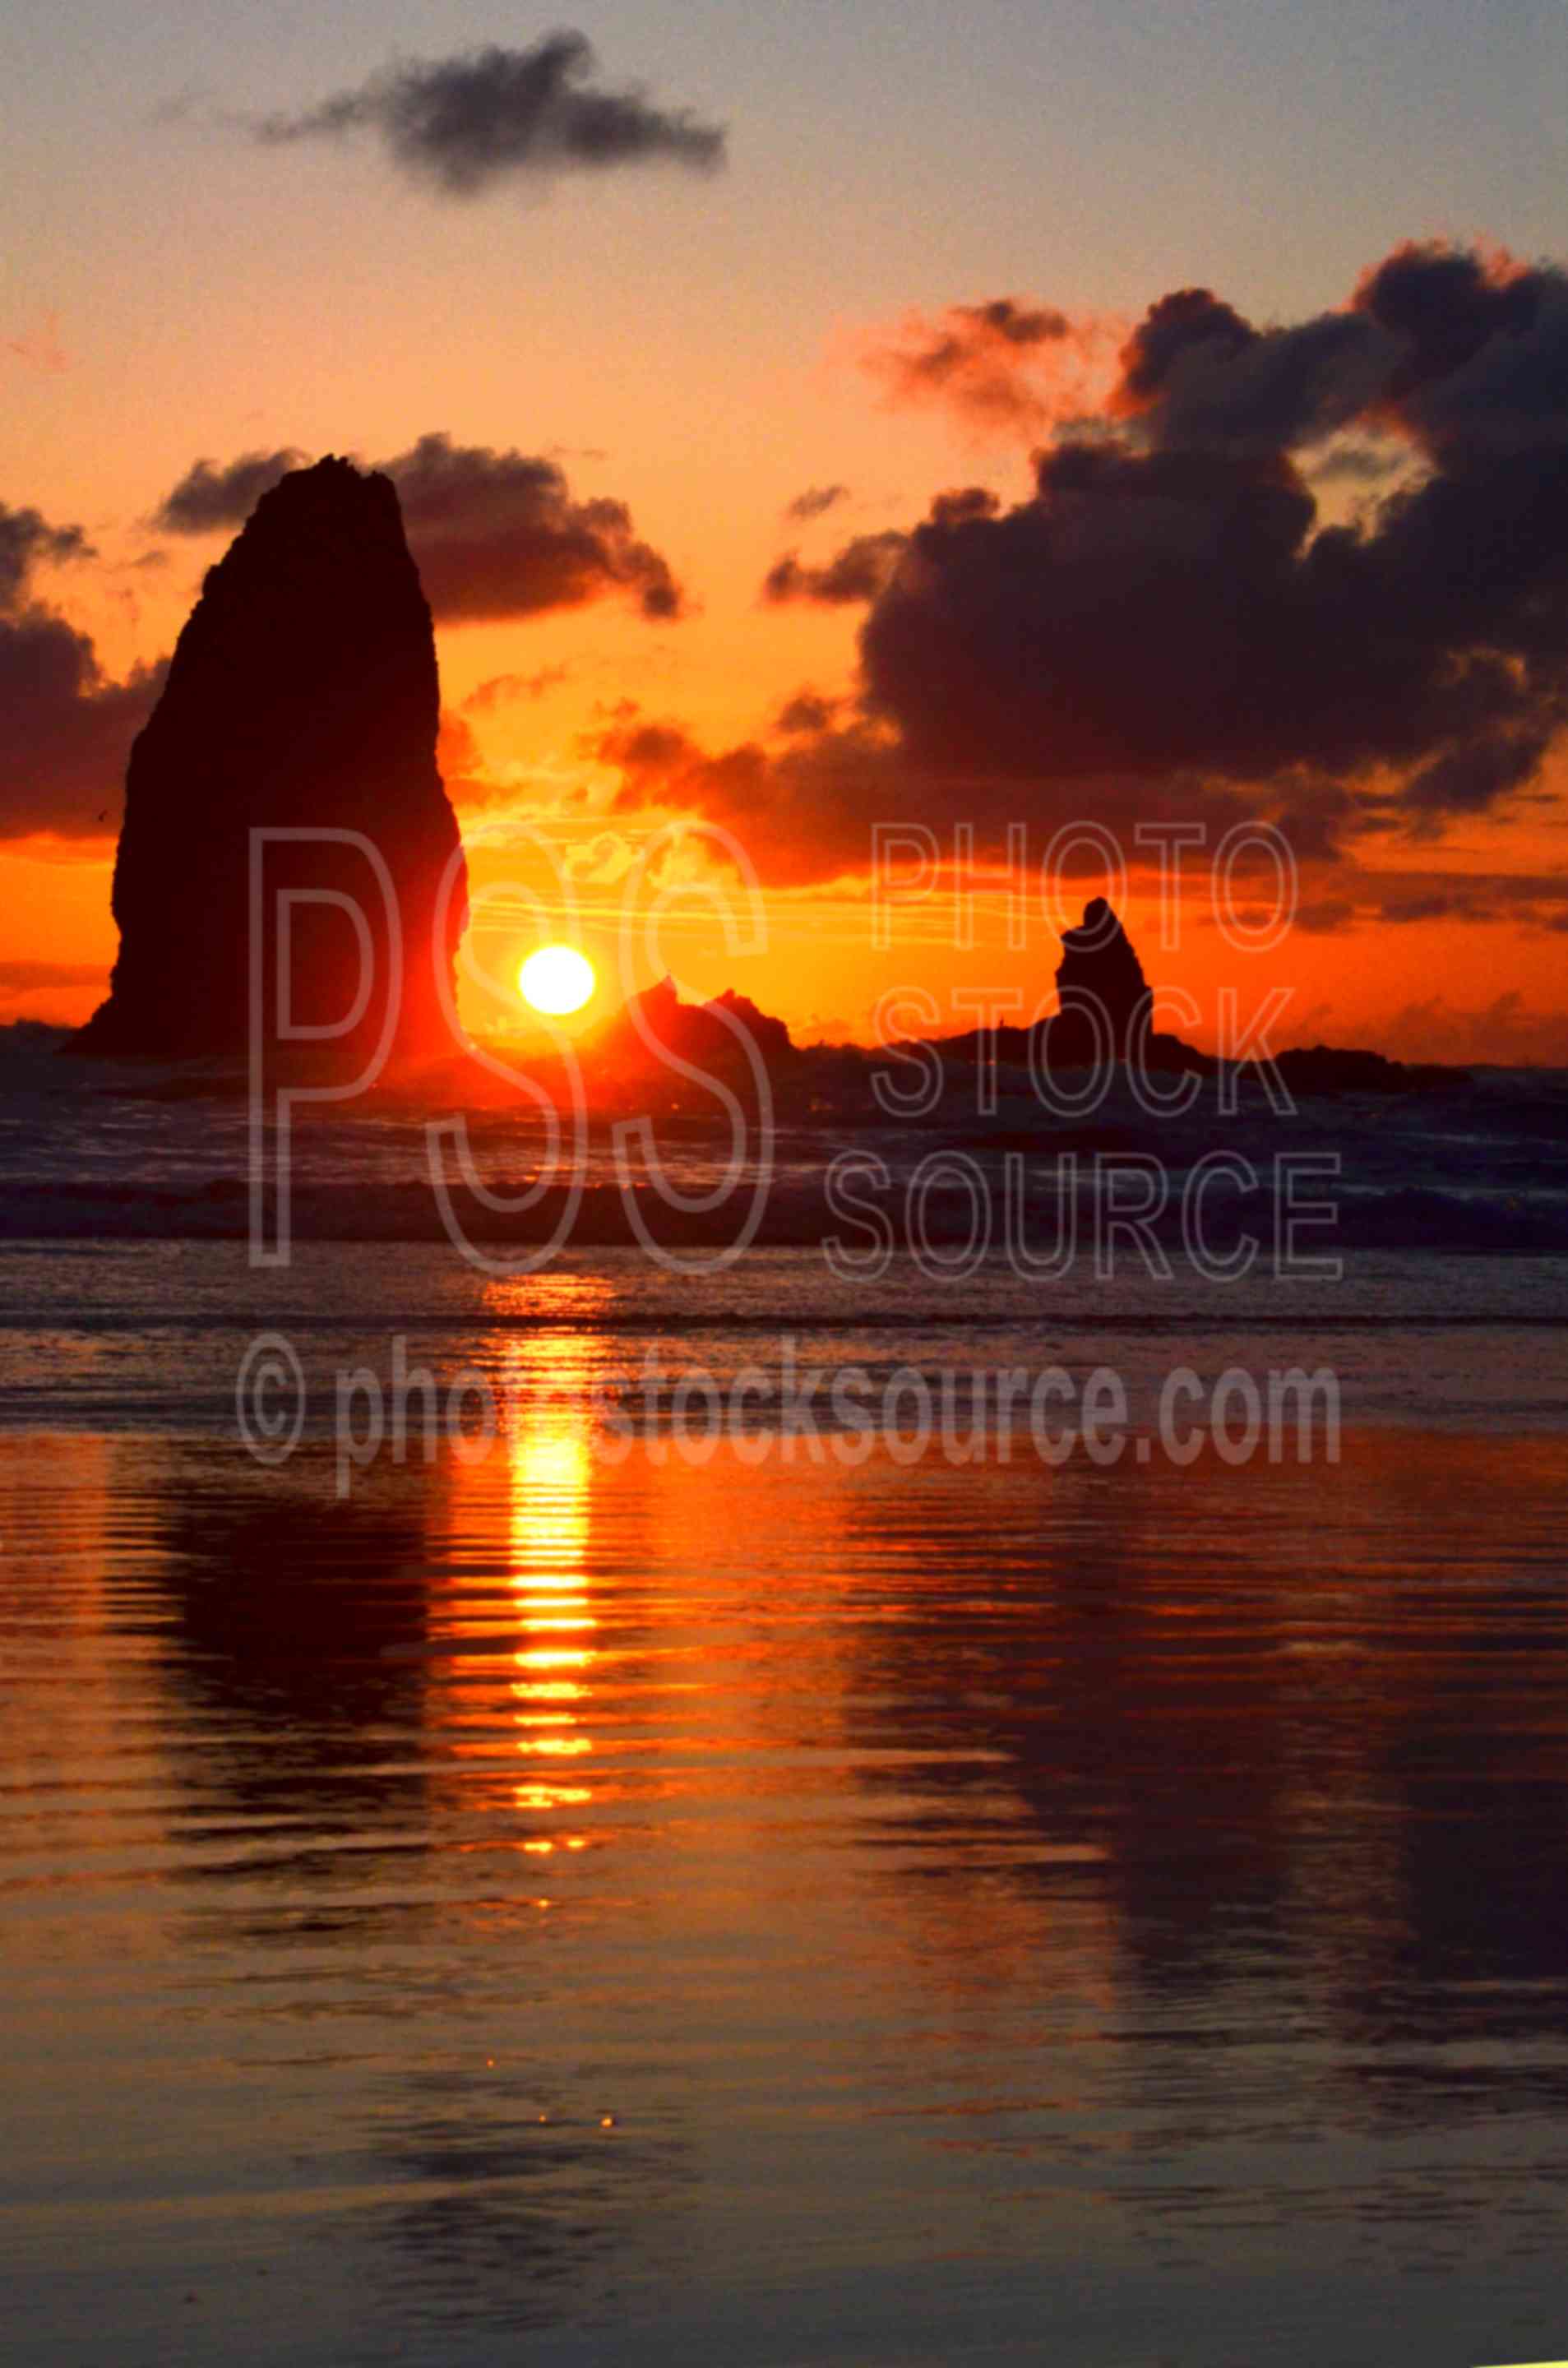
x=547 y=1381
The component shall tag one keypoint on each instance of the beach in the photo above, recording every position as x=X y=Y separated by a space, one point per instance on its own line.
x=491 y=1906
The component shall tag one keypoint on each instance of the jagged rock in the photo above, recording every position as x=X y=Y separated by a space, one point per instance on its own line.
x=1103 y=994
x=303 y=691
x=697 y=1032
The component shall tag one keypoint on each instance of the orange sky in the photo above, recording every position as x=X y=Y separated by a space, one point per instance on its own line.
x=1430 y=988
x=702 y=350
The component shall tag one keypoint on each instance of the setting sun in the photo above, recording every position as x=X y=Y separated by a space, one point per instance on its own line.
x=556 y=980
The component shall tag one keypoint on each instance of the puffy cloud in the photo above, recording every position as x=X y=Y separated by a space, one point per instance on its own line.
x=807 y=711
x=1457 y=354
x=1199 y=375
x=1166 y=628
x=207 y=496
x=496 y=533
x=1001 y=366
x=26 y=542
x=68 y=728
x=1166 y=601
x=857 y=573
x=462 y=123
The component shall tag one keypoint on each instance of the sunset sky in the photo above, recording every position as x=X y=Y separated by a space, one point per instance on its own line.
x=672 y=341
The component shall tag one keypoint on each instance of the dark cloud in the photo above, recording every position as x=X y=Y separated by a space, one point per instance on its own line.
x=26 y=542
x=1481 y=351
x=496 y=533
x=464 y=122
x=1165 y=627
x=1516 y=897
x=1455 y=354
x=1324 y=917
x=1168 y=602
x=807 y=711
x=1474 y=775
x=1445 y=906
x=858 y=572
x=1199 y=375
x=207 y=496
x=815 y=502
x=68 y=728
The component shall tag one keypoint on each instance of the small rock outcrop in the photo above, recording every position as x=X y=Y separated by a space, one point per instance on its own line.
x=718 y=1037
x=303 y=693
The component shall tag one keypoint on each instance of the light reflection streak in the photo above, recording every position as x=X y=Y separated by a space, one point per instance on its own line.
x=547 y=1379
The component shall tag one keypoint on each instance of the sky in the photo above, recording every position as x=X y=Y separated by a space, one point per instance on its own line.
x=884 y=254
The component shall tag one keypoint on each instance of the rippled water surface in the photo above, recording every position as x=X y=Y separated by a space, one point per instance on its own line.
x=776 y=1911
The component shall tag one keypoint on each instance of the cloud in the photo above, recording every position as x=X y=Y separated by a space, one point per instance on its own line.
x=1358 y=463
x=1196 y=373
x=1164 y=627
x=1166 y=600
x=814 y=503
x=44 y=995
x=462 y=123
x=495 y=533
x=68 y=728
x=604 y=862
x=506 y=690
x=460 y=762
x=807 y=711
x=858 y=572
x=998 y=366
x=1324 y=917
x=26 y=542
x=1475 y=775
x=1506 y=1031
x=19 y=978
x=207 y=496
x=1455 y=354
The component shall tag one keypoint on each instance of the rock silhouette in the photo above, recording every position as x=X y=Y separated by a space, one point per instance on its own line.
x=1103 y=994
x=303 y=693
x=1104 y=1014
x=719 y=1037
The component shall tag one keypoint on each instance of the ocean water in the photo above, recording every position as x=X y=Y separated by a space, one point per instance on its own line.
x=94 y=1153
x=575 y=1886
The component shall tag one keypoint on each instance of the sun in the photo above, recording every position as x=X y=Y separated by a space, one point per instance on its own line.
x=556 y=980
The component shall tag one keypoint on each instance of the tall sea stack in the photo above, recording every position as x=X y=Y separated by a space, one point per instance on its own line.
x=302 y=694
